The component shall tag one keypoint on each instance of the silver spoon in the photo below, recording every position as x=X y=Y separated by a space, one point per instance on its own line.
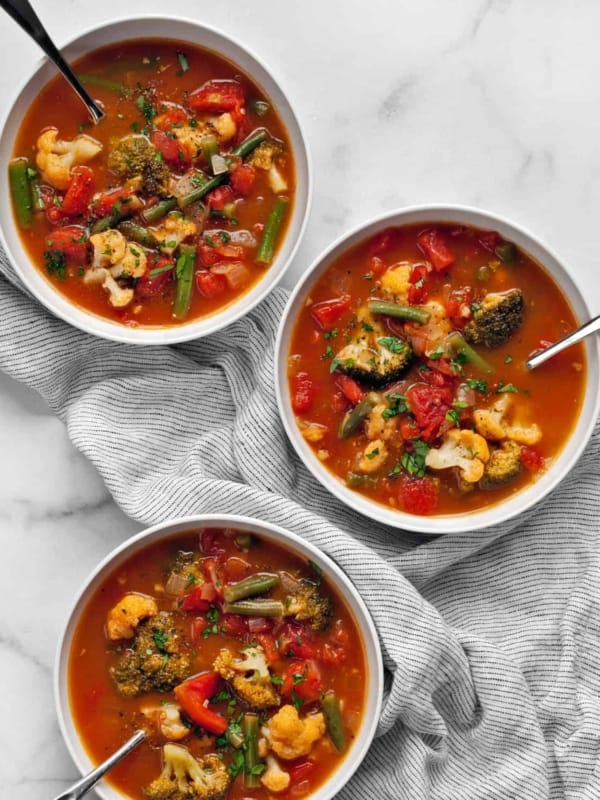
x=91 y=779
x=571 y=338
x=24 y=15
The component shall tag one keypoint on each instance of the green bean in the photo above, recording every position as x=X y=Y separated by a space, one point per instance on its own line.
x=157 y=211
x=412 y=313
x=458 y=345
x=20 y=190
x=260 y=107
x=357 y=481
x=37 y=199
x=250 y=143
x=112 y=219
x=184 y=272
x=251 y=764
x=355 y=416
x=506 y=252
x=234 y=738
x=103 y=83
x=137 y=233
x=266 y=248
x=210 y=146
x=259 y=583
x=333 y=716
x=255 y=608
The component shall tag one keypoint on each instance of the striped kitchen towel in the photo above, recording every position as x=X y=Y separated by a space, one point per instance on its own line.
x=491 y=639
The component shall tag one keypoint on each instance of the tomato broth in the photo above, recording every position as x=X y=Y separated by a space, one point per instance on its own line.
x=181 y=123
x=304 y=664
x=463 y=272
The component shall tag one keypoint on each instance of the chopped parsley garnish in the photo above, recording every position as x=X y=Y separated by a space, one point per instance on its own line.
x=477 y=384
x=392 y=343
x=453 y=416
x=508 y=360
x=160 y=638
x=330 y=334
x=183 y=62
x=507 y=388
x=328 y=353
x=396 y=405
x=436 y=354
x=366 y=327
x=371 y=455
x=212 y=617
x=297 y=702
x=224 y=237
x=277 y=680
x=414 y=462
x=56 y=263
x=236 y=765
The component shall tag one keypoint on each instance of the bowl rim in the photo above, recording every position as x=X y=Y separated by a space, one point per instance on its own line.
x=489 y=516
x=273 y=532
x=97 y=325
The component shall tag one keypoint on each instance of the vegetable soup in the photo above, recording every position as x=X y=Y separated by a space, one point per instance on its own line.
x=238 y=658
x=174 y=204
x=407 y=369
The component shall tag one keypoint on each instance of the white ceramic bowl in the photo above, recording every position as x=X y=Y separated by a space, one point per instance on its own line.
x=167 y=28
x=499 y=512
x=373 y=682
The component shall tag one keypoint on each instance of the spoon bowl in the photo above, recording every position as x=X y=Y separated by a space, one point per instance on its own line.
x=593 y=326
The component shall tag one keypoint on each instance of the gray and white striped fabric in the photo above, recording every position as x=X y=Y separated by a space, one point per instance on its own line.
x=491 y=639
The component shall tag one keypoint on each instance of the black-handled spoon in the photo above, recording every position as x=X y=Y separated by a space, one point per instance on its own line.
x=24 y=15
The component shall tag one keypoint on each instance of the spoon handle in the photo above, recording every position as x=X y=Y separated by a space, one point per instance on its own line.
x=572 y=338
x=24 y=15
x=82 y=786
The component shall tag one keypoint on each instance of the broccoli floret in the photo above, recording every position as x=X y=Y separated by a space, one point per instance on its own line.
x=309 y=603
x=496 y=319
x=504 y=466
x=158 y=659
x=187 y=778
x=136 y=157
x=374 y=358
x=249 y=676
x=263 y=157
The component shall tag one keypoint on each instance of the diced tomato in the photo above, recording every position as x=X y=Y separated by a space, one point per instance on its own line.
x=174 y=116
x=195 y=601
x=242 y=179
x=301 y=771
x=108 y=202
x=211 y=254
x=418 y=495
x=429 y=405
x=170 y=148
x=210 y=285
x=377 y=266
x=79 y=192
x=218 y=96
x=335 y=649
x=234 y=624
x=418 y=291
x=443 y=366
x=350 y=388
x=212 y=571
x=409 y=429
x=71 y=240
x=192 y=695
x=339 y=403
x=433 y=244
x=295 y=640
x=220 y=197
x=153 y=287
x=269 y=645
x=380 y=243
x=489 y=240
x=328 y=312
x=458 y=305
x=236 y=569
x=199 y=625
x=532 y=459
x=303 y=678
x=304 y=391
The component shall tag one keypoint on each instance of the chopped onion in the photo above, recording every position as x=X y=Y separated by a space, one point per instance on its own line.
x=218 y=164
x=176 y=585
x=236 y=274
x=259 y=624
x=289 y=583
x=277 y=182
x=241 y=238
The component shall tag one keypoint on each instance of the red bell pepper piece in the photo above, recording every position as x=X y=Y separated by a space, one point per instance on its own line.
x=301 y=771
x=328 y=312
x=79 y=192
x=304 y=391
x=196 y=600
x=433 y=244
x=192 y=695
x=350 y=388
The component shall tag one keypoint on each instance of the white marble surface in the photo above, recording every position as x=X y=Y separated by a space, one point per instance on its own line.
x=485 y=102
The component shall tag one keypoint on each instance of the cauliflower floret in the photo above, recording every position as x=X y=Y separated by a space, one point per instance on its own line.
x=56 y=157
x=374 y=456
x=187 y=778
x=277 y=182
x=463 y=449
x=175 y=229
x=274 y=778
x=119 y=256
x=118 y=297
x=225 y=126
x=263 y=157
x=292 y=737
x=313 y=431
x=493 y=423
x=249 y=676
x=377 y=426
x=395 y=280
x=123 y=619
x=167 y=720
